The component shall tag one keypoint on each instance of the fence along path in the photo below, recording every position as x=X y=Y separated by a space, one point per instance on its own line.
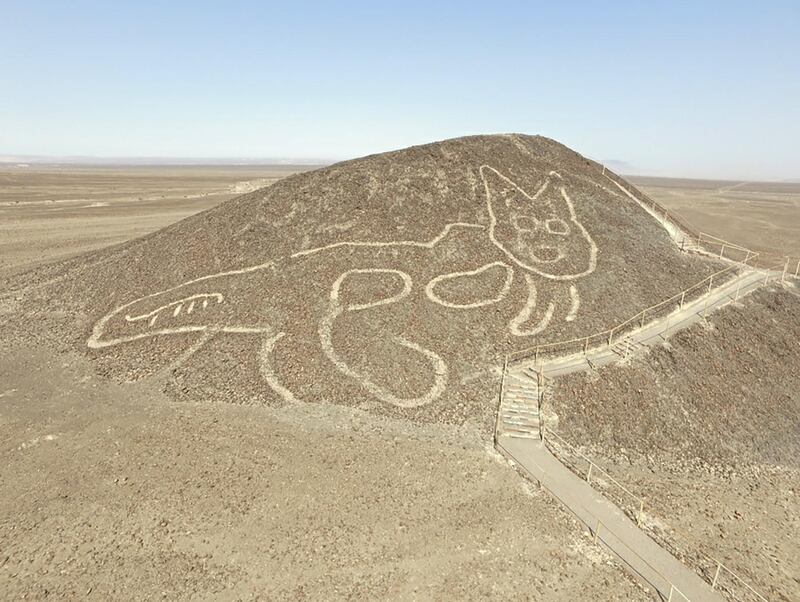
x=608 y=523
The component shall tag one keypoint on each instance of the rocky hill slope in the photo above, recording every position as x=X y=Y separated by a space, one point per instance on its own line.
x=394 y=283
x=707 y=430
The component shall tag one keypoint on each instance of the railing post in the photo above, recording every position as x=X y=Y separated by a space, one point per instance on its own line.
x=641 y=325
x=785 y=267
x=639 y=514
x=586 y=346
x=738 y=287
x=766 y=276
x=683 y=296
x=797 y=269
x=710 y=283
x=610 y=336
x=721 y=251
x=705 y=307
x=671 y=589
x=589 y=473
x=716 y=575
x=746 y=257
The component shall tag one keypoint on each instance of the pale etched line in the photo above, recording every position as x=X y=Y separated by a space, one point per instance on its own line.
x=573 y=218
x=205 y=296
x=95 y=341
x=182 y=359
x=190 y=309
x=400 y=243
x=177 y=310
x=407 y=284
x=265 y=367
x=527 y=310
x=575 y=305
x=444 y=277
x=326 y=342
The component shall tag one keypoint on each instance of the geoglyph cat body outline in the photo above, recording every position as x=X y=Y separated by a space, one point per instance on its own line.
x=543 y=242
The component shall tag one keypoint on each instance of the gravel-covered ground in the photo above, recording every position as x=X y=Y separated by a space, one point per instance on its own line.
x=707 y=430
x=331 y=440
x=426 y=360
x=113 y=492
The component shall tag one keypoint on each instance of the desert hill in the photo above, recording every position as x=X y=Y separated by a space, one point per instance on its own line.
x=394 y=282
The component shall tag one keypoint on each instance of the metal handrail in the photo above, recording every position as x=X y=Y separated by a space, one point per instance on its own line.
x=771 y=272
x=607 y=335
x=720 y=566
x=597 y=468
x=702 y=238
x=675 y=217
x=673 y=589
x=638 y=317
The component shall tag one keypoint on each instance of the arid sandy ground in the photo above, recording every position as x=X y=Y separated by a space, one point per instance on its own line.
x=112 y=491
x=758 y=215
x=54 y=212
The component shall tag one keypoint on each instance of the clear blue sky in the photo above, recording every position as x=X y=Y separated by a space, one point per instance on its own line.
x=674 y=88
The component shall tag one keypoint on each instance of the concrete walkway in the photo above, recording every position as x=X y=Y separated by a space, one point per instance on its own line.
x=654 y=333
x=515 y=436
x=643 y=556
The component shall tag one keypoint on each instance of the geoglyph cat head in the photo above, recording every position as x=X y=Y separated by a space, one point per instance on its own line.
x=538 y=232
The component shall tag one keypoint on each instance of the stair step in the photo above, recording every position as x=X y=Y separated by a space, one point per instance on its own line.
x=521 y=424
x=521 y=436
x=519 y=429
x=525 y=377
x=523 y=417
x=522 y=402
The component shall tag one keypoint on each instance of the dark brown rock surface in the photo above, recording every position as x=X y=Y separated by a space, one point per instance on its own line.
x=394 y=282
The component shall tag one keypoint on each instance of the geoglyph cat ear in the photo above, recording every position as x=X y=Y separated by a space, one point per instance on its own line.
x=500 y=191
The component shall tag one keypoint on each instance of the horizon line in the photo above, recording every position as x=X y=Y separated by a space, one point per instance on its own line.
x=14 y=160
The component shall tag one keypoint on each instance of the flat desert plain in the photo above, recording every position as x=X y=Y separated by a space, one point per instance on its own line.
x=54 y=212
x=758 y=215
